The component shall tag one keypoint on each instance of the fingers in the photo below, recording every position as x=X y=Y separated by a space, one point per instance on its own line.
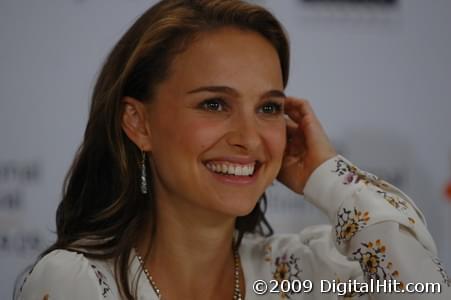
x=295 y=140
x=309 y=126
x=298 y=109
x=292 y=129
x=290 y=122
x=307 y=147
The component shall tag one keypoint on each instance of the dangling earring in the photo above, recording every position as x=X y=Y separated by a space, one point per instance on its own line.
x=143 y=184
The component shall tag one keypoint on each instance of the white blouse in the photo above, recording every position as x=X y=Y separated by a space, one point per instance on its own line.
x=378 y=234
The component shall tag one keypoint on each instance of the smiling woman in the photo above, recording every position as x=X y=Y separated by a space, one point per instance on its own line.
x=188 y=126
x=216 y=116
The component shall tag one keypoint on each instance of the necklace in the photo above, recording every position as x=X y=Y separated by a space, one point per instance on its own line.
x=237 y=289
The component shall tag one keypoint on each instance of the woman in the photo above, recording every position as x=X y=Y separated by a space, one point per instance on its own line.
x=188 y=127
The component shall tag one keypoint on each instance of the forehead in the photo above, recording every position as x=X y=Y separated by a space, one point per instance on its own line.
x=227 y=56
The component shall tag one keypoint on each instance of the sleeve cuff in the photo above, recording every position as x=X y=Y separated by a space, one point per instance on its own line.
x=323 y=183
x=347 y=194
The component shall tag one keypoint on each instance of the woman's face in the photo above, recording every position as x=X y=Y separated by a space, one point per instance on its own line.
x=220 y=111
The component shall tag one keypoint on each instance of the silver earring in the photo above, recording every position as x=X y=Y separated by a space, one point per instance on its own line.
x=144 y=189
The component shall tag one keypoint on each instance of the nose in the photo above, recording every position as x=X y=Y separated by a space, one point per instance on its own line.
x=245 y=133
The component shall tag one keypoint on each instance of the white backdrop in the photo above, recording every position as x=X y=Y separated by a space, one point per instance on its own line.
x=378 y=78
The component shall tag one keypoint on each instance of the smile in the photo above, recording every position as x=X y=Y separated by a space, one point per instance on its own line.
x=231 y=168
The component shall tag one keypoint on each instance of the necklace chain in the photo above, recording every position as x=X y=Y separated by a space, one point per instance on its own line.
x=236 y=272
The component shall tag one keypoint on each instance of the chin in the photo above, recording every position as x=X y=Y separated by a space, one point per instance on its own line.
x=241 y=207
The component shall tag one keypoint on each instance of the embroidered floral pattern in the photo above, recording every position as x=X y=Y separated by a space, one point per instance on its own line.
x=394 y=201
x=286 y=267
x=268 y=251
x=438 y=263
x=372 y=259
x=349 y=223
x=353 y=175
x=102 y=281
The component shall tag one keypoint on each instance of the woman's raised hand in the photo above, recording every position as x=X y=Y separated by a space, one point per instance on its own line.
x=307 y=145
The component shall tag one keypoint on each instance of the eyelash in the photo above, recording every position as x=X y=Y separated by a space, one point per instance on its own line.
x=277 y=107
x=204 y=104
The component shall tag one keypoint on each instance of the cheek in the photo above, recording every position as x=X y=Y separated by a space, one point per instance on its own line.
x=196 y=136
x=180 y=146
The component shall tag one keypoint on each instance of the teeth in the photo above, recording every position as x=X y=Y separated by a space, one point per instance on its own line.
x=238 y=170
x=232 y=169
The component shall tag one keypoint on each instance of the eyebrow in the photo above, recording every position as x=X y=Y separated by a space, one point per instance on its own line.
x=233 y=92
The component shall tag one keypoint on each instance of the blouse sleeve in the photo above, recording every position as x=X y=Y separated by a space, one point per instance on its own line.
x=381 y=228
x=65 y=275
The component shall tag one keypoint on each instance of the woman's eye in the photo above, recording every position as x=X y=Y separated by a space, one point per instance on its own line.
x=271 y=108
x=213 y=105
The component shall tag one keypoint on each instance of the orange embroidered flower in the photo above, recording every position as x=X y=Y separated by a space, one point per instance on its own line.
x=282 y=271
x=349 y=231
x=372 y=259
x=349 y=223
x=371 y=262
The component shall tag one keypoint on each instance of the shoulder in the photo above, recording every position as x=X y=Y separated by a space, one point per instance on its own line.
x=63 y=274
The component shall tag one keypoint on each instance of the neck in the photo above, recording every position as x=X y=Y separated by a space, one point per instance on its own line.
x=192 y=250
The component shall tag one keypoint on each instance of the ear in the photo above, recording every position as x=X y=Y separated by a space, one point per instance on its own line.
x=134 y=123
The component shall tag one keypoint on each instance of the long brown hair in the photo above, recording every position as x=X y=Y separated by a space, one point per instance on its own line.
x=102 y=209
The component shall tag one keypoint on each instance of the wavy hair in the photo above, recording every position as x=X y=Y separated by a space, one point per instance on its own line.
x=102 y=209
